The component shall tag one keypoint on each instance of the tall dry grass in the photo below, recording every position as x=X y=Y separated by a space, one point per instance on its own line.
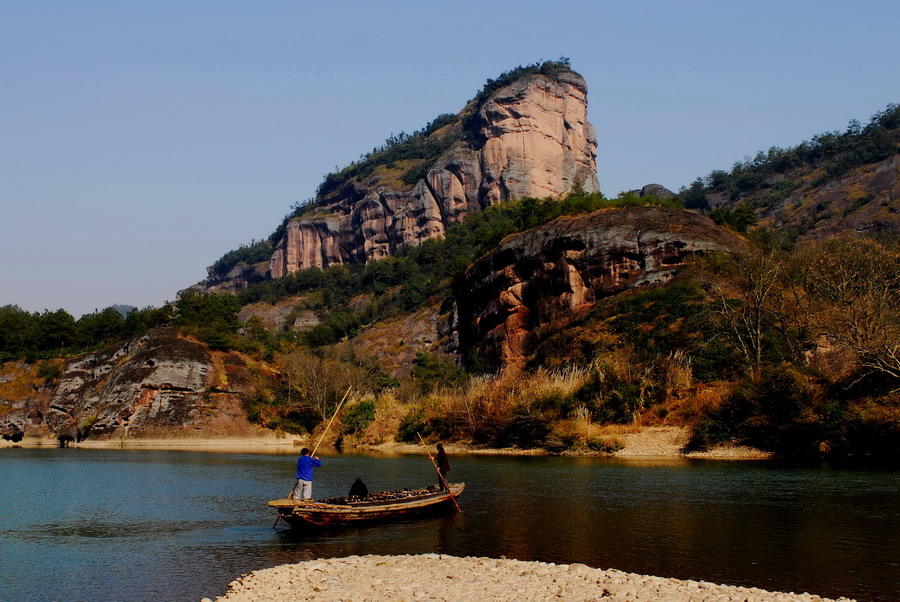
x=481 y=409
x=484 y=405
x=678 y=374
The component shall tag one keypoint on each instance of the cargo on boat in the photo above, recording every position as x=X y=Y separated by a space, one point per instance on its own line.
x=383 y=505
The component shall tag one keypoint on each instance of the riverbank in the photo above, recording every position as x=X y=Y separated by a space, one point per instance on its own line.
x=441 y=577
x=638 y=442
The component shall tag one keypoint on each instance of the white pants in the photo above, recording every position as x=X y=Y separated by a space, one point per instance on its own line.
x=302 y=490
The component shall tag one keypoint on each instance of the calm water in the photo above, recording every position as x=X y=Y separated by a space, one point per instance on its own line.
x=167 y=525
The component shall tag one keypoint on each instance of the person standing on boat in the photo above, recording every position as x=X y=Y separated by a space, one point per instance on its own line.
x=443 y=464
x=305 y=465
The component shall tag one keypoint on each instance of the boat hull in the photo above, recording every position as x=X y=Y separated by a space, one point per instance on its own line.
x=406 y=503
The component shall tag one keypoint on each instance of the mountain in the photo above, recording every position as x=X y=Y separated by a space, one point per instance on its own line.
x=836 y=183
x=524 y=135
x=472 y=284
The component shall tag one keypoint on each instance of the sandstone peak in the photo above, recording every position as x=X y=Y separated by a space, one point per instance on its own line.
x=525 y=135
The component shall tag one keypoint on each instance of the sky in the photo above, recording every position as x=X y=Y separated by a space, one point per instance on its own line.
x=140 y=141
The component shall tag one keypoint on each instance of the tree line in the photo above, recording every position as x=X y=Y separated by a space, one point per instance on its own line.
x=767 y=175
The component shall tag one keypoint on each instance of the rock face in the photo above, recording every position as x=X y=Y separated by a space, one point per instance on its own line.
x=538 y=141
x=654 y=190
x=548 y=274
x=157 y=385
x=529 y=138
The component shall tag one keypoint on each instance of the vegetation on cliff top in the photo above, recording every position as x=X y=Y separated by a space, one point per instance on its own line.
x=773 y=175
x=48 y=334
x=472 y=121
x=422 y=146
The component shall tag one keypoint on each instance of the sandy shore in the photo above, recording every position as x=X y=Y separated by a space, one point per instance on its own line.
x=646 y=442
x=640 y=442
x=439 y=577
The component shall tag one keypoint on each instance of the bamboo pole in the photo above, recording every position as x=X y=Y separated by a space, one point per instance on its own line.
x=313 y=453
x=443 y=480
x=328 y=426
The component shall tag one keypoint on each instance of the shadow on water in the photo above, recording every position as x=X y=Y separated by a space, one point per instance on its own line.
x=150 y=525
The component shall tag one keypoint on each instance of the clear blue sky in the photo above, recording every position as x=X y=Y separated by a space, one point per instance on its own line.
x=139 y=141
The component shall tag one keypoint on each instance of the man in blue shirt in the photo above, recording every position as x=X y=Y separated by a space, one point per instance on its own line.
x=305 y=465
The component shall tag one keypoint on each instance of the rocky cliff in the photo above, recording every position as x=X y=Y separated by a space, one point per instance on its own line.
x=529 y=138
x=159 y=384
x=545 y=276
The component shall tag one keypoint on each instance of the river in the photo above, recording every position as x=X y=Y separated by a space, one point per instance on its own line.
x=155 y=525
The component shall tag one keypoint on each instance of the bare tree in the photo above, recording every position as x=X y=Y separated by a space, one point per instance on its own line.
x=748 y=288
x=855 y=290
x=321 y=379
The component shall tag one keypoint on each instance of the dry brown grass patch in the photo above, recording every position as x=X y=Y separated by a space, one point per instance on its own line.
x=23 y=383
x=700 y=401
x=389 y=414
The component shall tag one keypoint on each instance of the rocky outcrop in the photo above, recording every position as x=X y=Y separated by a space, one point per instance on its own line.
x=538 y=141
x=548 y=274
x=865 y=200
x=530 y=138
x=655 y=190
x=159 y=384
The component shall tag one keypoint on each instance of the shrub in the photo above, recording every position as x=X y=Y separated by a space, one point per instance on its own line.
x=526 y=429
x=412 y=425
x=777 y=411
x=432 y=371
x=49 y=371
x=216 y=341
x=606 y=445
x=560 y=441
x=359 y=417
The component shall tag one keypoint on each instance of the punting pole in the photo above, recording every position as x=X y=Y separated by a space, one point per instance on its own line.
x=443 y=480
x=328 y=426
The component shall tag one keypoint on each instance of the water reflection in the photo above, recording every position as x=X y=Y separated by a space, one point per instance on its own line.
x=149 y=525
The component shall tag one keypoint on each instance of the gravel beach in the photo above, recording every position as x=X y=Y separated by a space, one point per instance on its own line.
x=440 y=577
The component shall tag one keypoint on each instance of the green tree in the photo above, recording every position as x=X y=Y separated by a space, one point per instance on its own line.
x=53 y=330
x=215 y=311
x=99 y=327
x=15 y=331
x=139 y=321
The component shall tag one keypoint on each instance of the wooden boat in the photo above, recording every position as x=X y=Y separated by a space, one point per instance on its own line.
x=384 y=505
